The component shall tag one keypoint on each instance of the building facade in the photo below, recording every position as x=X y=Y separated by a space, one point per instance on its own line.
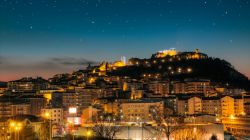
x=134 y=111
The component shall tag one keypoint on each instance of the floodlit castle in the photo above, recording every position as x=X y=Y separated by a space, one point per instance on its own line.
x=182 y=55
x=168 y=56
x=164 y=53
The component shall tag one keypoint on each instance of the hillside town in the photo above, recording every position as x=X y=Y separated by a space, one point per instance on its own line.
x=104 y=101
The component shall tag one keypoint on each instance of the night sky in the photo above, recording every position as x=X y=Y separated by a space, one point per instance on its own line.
x=45 y=37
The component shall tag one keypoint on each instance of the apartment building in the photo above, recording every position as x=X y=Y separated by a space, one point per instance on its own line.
x=160 y=88
x=139 y=110
x=55 y=114
x=191 y=87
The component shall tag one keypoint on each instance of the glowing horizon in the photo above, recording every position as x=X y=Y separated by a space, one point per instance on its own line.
x=42 y=38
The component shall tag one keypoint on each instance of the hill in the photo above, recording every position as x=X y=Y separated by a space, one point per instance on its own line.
x=215 y=69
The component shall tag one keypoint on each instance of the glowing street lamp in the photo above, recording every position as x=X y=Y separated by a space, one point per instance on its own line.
x=88 y=134
x=47 y=115
x=12 y=124
x=179 y=70
x=16 y=126
x=189 y=70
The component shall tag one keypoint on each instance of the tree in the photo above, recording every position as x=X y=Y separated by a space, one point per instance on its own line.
x=27 y=133
x=165 y=123
x=107 y=126
x=3 y=132
x=189 y=133
x=213 y=137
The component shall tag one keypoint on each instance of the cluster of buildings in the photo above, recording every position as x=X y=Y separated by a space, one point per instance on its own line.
x=83 y=96
x=168 y=56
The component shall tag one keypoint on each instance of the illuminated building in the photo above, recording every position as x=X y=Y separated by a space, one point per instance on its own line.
x=192 y=86
x=182 y=106
x=135 y=110
x=129 y=85
x=164 y=53
x=55 y=114
x=178 y=87
x=189 y=105
x=159 y=87
x=247 y=108
x=19 y=109
x=227 y=106
x=87 y=115
x=168 y=55
x=104 y=67
x=118 y=64
x=37 y=102
x=9 y=106
x=238 y=105
x=223 y=106
x=192 y=55
x=136 y=94
x=28 y=84
x=211 y=105
x=81 y=99
x=123 y=60
x=194 y=105
x=110 y=107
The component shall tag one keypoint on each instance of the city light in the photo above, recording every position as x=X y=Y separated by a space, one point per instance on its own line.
x=189 y=70
x=89 y=133
x=217 y=119
x=72 y=110
x=12 y=124
x=47 y=114
x=232 y=117
x=179 y=70
x=243 y=113
x=106 y=69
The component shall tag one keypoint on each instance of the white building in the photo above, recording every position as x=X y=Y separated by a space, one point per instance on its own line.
x=55 y=114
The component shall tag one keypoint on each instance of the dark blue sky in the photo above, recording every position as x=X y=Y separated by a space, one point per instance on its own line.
x=37 y=37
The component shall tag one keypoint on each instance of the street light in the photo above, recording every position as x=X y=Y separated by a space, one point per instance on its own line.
x=47 y=115
x=16 y=126
x=88 y=134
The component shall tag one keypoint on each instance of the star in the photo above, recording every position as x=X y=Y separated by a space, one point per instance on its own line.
x=226 y=12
